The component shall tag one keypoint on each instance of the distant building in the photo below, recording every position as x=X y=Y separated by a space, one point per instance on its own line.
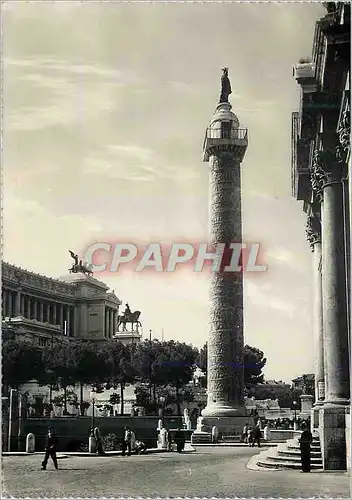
x=39 y=308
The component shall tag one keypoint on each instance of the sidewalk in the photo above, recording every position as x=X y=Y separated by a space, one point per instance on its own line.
x=252 y=465
x=68 y=454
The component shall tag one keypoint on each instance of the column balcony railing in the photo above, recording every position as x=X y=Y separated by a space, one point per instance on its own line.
x=217 y=137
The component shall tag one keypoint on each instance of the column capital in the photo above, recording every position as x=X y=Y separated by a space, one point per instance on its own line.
x=326 y=169
x=313 y=230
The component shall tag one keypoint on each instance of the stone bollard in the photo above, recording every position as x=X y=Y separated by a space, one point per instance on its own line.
x=30 y=443
x=214 y=434
x=162 y=440
x=92 y=445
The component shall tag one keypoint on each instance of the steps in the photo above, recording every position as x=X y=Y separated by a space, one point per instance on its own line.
x=288 y=456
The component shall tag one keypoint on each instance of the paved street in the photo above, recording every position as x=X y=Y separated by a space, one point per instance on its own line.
x=219 y=472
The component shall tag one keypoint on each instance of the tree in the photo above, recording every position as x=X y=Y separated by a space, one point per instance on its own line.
x=177 y=364
x=21 y=363
x=119 y=361
x=59 y=362
x=89 y=368
x=254 y=361
x=147 y=356
x=162 y=364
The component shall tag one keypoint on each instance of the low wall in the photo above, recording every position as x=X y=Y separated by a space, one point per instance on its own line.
x=74 y=430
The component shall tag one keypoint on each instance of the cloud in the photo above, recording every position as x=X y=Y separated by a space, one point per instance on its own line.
x=135 y=163
x=285 y=256
x=45 y=64
x=262 y=296
x=63 y=94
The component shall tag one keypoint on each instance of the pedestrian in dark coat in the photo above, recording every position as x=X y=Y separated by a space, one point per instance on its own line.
x=305 y=442
x=99 y=441
x=50 y=449
x=180 y=440
x=127 y=442
x=257 y=434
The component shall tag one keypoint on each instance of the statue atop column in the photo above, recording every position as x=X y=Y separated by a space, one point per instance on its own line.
x=225 y=86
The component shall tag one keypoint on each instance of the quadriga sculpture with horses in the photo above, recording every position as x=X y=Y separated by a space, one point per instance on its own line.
x=132 y=318
x=79 y=266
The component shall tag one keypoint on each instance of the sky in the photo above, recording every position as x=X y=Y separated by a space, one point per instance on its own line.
x=105 y=110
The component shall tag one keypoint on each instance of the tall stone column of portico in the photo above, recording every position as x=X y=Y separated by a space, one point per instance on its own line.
x=327 y=176
x=313 y=230
x=224 y=148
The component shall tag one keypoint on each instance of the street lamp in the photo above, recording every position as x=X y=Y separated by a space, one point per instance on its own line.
x=93 y=398
x=295 y=409
x=162 y=400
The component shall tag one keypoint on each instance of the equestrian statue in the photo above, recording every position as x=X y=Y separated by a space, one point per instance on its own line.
x=128 y=317
x=79 y=266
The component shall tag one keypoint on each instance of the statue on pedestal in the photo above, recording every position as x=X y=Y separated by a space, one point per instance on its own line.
x=128 y=317
x=225 y=86
x=200 y=425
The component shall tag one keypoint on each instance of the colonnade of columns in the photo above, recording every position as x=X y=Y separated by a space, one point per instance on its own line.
x=16 y=303
x=328 y=242
x=110 y=322
x=328 y=236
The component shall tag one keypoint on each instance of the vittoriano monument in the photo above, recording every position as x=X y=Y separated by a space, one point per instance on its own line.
x=224 y=147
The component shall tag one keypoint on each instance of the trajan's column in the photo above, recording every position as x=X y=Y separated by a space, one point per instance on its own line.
x=224 y=148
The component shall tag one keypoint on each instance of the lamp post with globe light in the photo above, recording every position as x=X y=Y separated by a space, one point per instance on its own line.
x=92 y=446
x=295 y=417
x=162 y=400
x=93 y=398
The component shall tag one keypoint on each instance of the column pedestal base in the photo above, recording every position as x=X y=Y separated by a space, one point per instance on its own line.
x=332 y=433
x=227 y=426
x=314 y=416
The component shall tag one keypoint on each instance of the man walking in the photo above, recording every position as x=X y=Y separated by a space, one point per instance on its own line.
x=50 y=448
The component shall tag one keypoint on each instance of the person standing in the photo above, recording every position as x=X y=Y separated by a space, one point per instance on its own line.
x=305 y=442
x=267 y=433
x=127 y=442
x=249 y=435
x=257 y=434
x=244 y=433
x=50 y=449
x=99 y=441
x=180 y=440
